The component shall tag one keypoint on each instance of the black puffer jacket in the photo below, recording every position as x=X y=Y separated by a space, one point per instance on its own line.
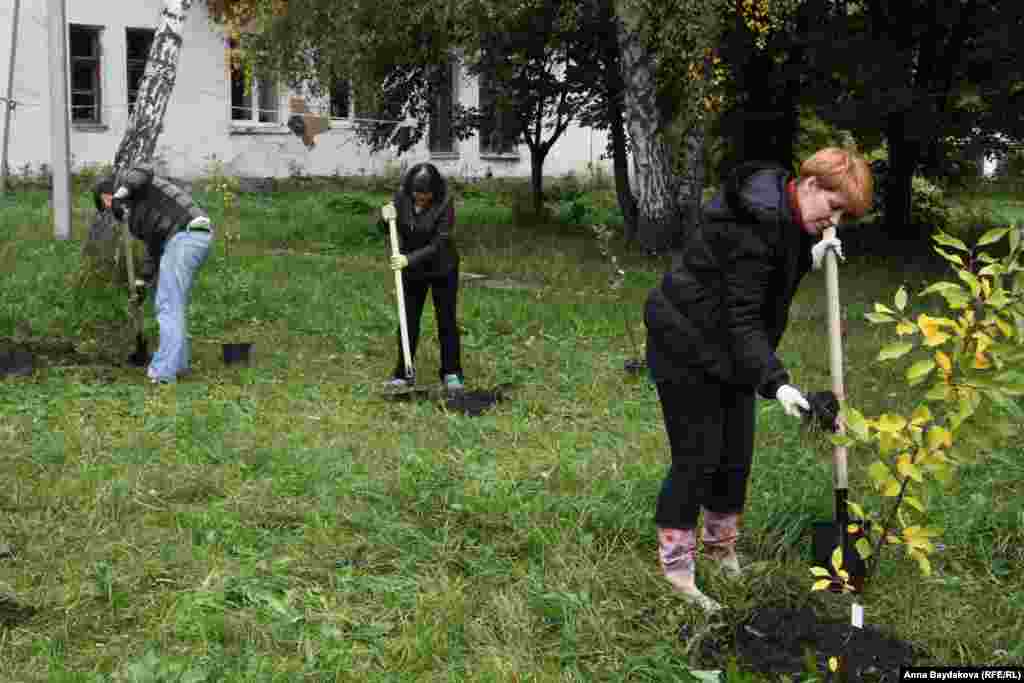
x=725 y=303
x=426 y=238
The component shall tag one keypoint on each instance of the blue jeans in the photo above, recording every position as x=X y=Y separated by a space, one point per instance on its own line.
x=183 y=254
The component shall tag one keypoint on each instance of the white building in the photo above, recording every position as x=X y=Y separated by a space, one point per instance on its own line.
x=210 y=114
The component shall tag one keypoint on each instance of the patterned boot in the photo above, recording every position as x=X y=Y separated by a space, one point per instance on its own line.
x=721 y=530
x=677 y=549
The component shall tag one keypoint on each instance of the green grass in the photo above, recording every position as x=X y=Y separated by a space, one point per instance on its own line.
x=282 y=522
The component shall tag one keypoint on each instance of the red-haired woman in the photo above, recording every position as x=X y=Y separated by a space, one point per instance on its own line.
x=713 y=326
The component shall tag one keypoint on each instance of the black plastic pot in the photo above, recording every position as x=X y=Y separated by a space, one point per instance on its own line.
x=236 y=353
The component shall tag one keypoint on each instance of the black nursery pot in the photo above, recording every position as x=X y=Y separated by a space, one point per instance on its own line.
x=236 y=353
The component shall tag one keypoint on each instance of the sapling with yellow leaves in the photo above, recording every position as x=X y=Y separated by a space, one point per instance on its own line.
x=967 y=364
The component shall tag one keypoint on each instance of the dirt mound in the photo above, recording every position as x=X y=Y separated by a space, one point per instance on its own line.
x=781 y=640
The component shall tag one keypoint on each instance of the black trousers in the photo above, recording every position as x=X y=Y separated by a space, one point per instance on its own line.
x=710 y=429
x=444 y=290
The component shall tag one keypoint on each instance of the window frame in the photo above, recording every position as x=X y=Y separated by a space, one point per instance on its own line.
x=96 y=36
x=331 y=99
x=447 y=147
x=254 y=99
x=494 y=124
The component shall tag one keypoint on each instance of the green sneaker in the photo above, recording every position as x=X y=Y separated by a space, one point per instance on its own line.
x=453 y=383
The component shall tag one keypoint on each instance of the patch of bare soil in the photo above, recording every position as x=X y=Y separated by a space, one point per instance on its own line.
x=781 y=640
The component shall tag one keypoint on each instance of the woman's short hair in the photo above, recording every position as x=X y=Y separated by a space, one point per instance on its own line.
x=843 y=171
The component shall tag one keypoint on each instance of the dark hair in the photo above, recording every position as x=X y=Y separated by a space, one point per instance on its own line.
x=104 y=186
x=414 y=178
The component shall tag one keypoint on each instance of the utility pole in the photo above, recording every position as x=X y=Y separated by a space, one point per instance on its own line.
x=9 y=102
x=60 y=135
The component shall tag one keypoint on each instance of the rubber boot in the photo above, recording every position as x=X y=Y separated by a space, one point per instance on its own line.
x=720 y=533
x=677 y=550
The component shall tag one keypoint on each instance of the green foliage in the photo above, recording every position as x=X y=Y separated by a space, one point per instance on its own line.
x=966 y=363
x=224 y=189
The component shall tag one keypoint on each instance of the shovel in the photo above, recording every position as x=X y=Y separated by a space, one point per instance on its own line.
x=391 y=215
x=140 y=356
x=828 y=535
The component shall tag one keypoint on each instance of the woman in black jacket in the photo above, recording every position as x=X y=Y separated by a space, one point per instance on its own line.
x=713 y=326
x=428 y=261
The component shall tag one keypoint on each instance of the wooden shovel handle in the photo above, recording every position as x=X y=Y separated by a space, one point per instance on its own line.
x=835 y=348
x=390 y=215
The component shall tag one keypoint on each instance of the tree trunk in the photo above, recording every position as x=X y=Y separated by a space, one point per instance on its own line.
x=691 y=185
x=620 y=164
x=903 y=158
x=537 y=156
x=144 y=125
x=155 y=89
x=614 y=92
x=657 y=189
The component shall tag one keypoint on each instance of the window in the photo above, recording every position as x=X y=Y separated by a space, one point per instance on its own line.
x=341 y=100
x=497 y=136
x=260 y=104
x=443 y=99
x=85 y=73
x=139 y=41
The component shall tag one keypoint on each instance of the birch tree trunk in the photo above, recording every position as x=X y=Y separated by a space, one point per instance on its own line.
x=139 y=141
x=655 y=186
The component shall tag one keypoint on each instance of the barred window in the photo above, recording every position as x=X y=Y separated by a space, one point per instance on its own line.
x=86 y=102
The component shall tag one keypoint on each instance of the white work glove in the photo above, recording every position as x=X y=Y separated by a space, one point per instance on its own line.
x=819 y=250
x=792 y=400
x=399 y=262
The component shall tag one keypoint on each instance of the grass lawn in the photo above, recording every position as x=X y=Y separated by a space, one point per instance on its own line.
x=283 y=522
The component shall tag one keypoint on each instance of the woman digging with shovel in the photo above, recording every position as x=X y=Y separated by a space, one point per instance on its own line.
x=428 y=260
x=713 y=326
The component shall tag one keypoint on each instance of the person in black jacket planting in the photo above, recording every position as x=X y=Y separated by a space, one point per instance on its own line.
x=177 y=234
x=713 y=326
x=428 y=261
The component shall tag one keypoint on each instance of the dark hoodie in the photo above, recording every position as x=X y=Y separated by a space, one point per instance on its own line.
x=426 y=238
x=725 y=303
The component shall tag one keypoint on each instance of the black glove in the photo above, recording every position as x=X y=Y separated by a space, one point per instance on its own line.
x=824 y=410
x=117 y=207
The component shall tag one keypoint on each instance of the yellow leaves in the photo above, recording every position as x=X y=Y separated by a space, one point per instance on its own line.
x=981 y=361
x=917 y=538
x=890 y=424
x=905 y=327
x=944 y=362
x=939 y=437
x=833 y=664
x=920 y=416
x=922 y=561
x=1003 y=326
x=906 y=468
x=821 y=584
x=930 y=329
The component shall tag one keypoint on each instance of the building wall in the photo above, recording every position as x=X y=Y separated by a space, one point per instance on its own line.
x=198 y=123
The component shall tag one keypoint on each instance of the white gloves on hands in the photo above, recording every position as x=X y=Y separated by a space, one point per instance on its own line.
x=819 y=250
x=792 y=400
x=399 y=262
